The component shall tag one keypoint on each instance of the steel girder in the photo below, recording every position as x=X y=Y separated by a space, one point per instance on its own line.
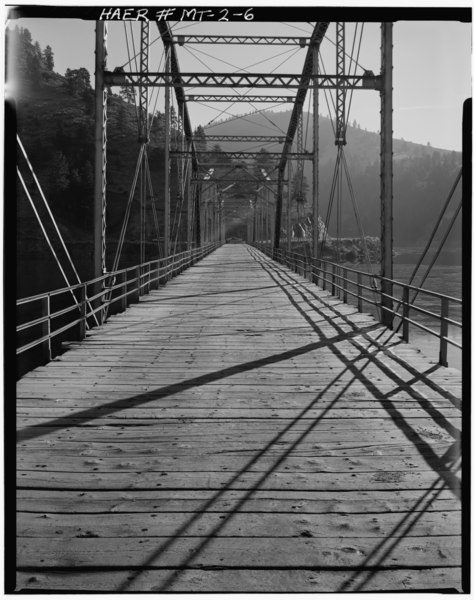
x=244 y=99
x=245 y=155
x=242 y=39
x=280 y=139
x=305 y=81
x=143 y=90
x=175 y=77
x=231 y=180
x=241 y=80
x=341 y=91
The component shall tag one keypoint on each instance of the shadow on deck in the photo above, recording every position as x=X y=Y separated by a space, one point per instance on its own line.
x=239 y=430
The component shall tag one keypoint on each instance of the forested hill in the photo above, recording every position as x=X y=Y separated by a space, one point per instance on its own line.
x=55 y=122
x=423 y=175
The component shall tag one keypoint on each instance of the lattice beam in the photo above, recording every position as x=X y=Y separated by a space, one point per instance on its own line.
x=175 y=78
x=242 y=39
x=241 y=80
x=280 y=139
x=341 y=91
x=243 y=99
x=246 y=155
x=306 y=80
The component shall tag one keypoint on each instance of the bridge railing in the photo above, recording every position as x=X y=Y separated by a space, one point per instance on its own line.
x=361 y=288
x=46 y=320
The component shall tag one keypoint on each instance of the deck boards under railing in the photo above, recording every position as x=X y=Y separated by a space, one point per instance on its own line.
x=239 y=430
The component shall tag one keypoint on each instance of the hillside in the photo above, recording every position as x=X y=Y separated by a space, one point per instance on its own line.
x=55 y=122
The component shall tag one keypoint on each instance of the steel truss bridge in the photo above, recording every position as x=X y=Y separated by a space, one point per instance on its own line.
x=228 y=416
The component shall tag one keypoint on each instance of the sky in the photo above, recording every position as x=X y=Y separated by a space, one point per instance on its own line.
x=432 y=67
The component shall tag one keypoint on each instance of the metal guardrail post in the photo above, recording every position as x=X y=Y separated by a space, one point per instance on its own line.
x=406 y=313
x=123 y=288
x=324 y=275
x=360 y=300
x=333 y=287
x=46 y=328
x=148 y=276
x=136 y=294
x=344 y=285
x=443 y=344
x=83 y=311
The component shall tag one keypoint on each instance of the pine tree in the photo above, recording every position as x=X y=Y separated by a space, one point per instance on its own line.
x=127 y=94
x=26 y=35
x=48 y=58
x=59 y=173
x=37 y=48
x=78 y=82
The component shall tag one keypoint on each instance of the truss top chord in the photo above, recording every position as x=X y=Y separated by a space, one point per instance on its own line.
x=242 y=39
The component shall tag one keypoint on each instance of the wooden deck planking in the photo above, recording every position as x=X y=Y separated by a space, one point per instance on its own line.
x=239 y=430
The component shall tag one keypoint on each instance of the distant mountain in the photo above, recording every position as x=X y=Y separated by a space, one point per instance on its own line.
x=423 y=175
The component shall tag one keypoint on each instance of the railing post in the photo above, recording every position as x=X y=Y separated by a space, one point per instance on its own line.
x=360 y=301
x=344 y=285
x=323 y=268
x=443 y=344
x=122 y=288
x=136 y=293
x=333 y=288
x=406 y=314
x=83 y=311
x=148 y=269
x=46 y=328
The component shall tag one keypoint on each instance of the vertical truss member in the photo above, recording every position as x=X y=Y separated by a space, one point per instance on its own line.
x=386 y=175
x=143 y=134
x=100 y=160
x=305 y=81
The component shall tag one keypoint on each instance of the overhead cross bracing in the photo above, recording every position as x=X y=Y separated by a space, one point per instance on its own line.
x=247 y=155
x=245 y=138
x=234 y=98
x=194 y=87
x=242 y=39
x=242 y=80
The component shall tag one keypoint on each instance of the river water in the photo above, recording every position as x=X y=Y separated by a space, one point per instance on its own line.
x=445 y=279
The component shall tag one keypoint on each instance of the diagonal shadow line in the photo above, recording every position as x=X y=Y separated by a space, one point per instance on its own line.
x=193 y=311
x=437 y=416
x=367 y=571
x=330 y=306
x=432 y=460
x=344 y=336
x=203 y=295
x=428 y=454
x=91 y=413
x=194 y=553
x=424 y=403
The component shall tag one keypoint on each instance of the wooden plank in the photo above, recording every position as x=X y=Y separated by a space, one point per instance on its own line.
x=177 y=552
x=185 y=501
x=283 y=525
x=152 y=461
x=242 y=580
x=94 y=479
